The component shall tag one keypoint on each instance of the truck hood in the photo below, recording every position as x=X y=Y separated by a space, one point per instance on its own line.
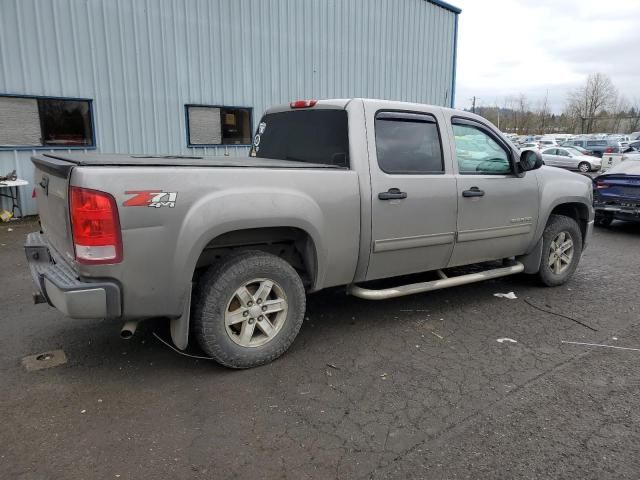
x=548 y=173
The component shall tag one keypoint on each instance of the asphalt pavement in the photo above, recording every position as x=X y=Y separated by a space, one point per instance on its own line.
x=456 y=383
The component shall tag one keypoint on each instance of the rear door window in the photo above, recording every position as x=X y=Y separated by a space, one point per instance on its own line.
x=311 y=136
x=408 y=143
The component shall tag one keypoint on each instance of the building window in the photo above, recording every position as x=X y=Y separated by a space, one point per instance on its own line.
x=43 y=122
x=217 y=125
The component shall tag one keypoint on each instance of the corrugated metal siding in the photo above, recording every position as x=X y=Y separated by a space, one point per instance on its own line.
x=141 y=61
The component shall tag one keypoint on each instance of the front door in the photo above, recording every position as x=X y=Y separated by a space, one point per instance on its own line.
x=497 y=210
x=413 y=199
x=550 y=157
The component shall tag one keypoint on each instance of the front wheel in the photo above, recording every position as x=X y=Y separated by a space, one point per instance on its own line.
x=584 y=167
x=561 y=250
x=248 y=309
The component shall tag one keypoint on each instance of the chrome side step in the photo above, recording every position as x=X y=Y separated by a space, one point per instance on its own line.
x=443 y=282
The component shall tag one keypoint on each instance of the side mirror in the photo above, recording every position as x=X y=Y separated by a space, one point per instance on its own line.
x=530 y=160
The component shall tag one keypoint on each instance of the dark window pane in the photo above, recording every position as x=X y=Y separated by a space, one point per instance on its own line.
x=313 y=136
x=236 y=126
x=65 y=122
x=408 y=146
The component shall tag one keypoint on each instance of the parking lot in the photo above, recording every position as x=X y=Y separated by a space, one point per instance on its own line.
x=416 y=387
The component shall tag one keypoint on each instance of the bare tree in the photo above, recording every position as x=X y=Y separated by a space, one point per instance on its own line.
x=620 y=115
x=592 y=99
x=543 y=113
x=634 y=114
x=524 y=114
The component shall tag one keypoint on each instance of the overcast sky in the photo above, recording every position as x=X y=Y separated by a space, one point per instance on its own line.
x=507 y=47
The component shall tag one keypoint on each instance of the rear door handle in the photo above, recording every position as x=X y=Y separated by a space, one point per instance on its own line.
x=473 y=192
x=392 y=194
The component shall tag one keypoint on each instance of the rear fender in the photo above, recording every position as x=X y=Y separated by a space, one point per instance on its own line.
x=234 y=209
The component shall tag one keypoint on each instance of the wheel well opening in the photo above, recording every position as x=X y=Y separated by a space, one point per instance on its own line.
x=293 y=245
x=578 y=211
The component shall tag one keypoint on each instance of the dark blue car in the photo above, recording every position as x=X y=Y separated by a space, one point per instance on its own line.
x=616 y=193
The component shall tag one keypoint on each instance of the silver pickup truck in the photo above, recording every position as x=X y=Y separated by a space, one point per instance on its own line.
x=334 y=192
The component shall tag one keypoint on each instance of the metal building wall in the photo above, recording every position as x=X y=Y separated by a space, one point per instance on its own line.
x=141 y=61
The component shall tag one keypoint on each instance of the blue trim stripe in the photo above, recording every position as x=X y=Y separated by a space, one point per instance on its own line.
x=446 y=6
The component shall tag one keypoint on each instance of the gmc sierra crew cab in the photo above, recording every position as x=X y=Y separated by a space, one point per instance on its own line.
x=332 y=193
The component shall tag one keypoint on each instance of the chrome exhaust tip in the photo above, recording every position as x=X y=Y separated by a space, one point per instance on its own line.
x=129 y=329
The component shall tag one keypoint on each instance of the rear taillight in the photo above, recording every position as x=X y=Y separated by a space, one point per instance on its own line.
x=600 y=185
x=609 y=150
x=95 y=226
x=303 y=103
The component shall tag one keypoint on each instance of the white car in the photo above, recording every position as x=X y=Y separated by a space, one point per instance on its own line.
x=632 y=152
x=547 y=143
x=571 y=159
x=528 y=146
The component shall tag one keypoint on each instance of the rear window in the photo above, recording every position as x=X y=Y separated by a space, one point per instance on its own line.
x=408 y=143
x=311 y=136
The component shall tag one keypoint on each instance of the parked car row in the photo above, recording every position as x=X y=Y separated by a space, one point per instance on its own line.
x=596 y=145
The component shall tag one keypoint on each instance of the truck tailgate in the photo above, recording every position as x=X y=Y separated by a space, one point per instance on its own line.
x=51 y=180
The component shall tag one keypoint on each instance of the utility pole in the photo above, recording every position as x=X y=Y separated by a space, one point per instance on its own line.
x=473 y=105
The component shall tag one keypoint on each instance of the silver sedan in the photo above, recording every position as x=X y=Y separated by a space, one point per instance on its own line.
x=571 y=159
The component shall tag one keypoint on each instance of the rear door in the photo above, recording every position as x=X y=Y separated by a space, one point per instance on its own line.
x=413 y=199
x=497 y=209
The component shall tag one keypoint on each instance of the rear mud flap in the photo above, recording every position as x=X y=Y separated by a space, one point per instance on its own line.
x=180 y=326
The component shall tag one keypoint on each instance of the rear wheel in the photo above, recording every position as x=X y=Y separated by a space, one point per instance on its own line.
x=584 y=167
x=561 y=250
x=248 y=309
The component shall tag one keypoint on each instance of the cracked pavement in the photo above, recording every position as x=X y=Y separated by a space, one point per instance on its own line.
x=415 y=387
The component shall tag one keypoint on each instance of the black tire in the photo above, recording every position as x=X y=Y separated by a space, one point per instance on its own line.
x=217 y=290
x=584 y=167
x=555 y=226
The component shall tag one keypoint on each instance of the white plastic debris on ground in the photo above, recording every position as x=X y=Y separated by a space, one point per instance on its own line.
x=510 y=295
x=510 y=340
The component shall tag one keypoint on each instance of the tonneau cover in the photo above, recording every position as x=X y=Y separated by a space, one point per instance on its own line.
x=121 y=160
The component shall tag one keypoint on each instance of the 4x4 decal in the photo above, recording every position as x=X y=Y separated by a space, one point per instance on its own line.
x=151 y=198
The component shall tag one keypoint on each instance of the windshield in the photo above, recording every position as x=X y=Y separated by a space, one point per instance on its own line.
x=312 y=136
x=574 y=151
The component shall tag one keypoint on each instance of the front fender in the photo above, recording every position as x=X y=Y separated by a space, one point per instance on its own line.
x=558 y=187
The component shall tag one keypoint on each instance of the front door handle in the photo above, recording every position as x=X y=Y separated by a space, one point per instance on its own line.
x=473 y=192
x=392 y=194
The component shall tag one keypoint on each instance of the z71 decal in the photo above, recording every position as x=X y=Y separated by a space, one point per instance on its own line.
x=151 y=198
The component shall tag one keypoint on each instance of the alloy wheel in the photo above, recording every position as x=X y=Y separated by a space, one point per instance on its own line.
x=561 y=253
x=256 y=312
